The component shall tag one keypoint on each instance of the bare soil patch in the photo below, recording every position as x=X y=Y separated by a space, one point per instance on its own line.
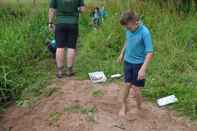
x=82 y=106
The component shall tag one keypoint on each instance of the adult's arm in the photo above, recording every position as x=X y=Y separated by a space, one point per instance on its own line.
x=52 y=10
x=81 y=6
x=51 y=15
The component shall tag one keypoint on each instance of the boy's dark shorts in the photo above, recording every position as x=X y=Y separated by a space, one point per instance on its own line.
x=131 y=74
x=66 y=35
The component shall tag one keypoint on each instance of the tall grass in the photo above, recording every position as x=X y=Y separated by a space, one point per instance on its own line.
x=22 y=49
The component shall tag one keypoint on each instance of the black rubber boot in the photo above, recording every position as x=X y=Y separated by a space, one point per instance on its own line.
x=70 y=72
x=59 y=73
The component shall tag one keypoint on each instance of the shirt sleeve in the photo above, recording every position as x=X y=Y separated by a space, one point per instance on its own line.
x=148 y=42
x=52 y=4
x=81 y=3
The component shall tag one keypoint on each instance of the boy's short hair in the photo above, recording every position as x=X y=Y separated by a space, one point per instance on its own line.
x=128 y=16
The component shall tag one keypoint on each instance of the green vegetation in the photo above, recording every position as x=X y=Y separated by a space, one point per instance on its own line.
x=22 y=1
x=54 y=117
x=79 y=109
x=88 y=111
x=25 y=65
x=98 y=93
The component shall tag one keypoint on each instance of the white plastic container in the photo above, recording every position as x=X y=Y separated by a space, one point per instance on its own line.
x=116 y=76
x=167 y=100
x=97 y=77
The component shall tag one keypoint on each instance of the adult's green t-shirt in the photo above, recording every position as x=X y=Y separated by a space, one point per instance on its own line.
x=66 y=10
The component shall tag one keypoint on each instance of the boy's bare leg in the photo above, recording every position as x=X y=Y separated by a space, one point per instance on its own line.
x=138 y=96
x=124 y=96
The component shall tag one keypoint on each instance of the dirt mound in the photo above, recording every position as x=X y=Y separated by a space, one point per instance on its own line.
x=82 y=106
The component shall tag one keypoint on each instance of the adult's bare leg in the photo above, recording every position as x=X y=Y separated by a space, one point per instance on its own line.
x=71 y=54
x=60 y=62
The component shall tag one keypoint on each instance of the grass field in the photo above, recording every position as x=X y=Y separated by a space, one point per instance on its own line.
x=26 y=66
x=22 y=1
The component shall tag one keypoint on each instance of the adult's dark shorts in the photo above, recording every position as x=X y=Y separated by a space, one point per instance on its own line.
x=66 y=35
x=131 y=74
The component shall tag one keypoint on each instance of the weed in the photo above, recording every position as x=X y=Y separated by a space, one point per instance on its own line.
x=54 y=117
x=88 y=111
x=98 y=93
x=79 y=109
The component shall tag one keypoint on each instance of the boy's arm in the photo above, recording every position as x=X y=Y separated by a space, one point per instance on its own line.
x=149 y=55
x=148 y=59
x=142 y=71
x=121 y=57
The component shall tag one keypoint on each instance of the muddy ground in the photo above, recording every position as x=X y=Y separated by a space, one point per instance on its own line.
x=82 y=106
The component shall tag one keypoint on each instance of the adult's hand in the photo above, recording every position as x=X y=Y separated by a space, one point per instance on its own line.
x=51 y=27
x=82 y=9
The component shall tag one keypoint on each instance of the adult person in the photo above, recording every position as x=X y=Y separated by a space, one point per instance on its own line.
x=66 y=31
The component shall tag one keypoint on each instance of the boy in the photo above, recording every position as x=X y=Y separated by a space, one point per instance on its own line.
x=137 y=54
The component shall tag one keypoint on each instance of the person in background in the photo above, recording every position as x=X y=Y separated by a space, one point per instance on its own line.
x=96 y=16
x=66 y=31
x=103 y=13
x=137 y=53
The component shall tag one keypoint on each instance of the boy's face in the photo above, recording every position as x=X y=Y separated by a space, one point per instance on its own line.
x=132 y=25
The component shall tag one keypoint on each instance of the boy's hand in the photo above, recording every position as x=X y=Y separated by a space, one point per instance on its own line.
x=141 y=74
x=120 y=58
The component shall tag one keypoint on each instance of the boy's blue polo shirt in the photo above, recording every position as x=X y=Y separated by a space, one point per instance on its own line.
x=138 y=44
